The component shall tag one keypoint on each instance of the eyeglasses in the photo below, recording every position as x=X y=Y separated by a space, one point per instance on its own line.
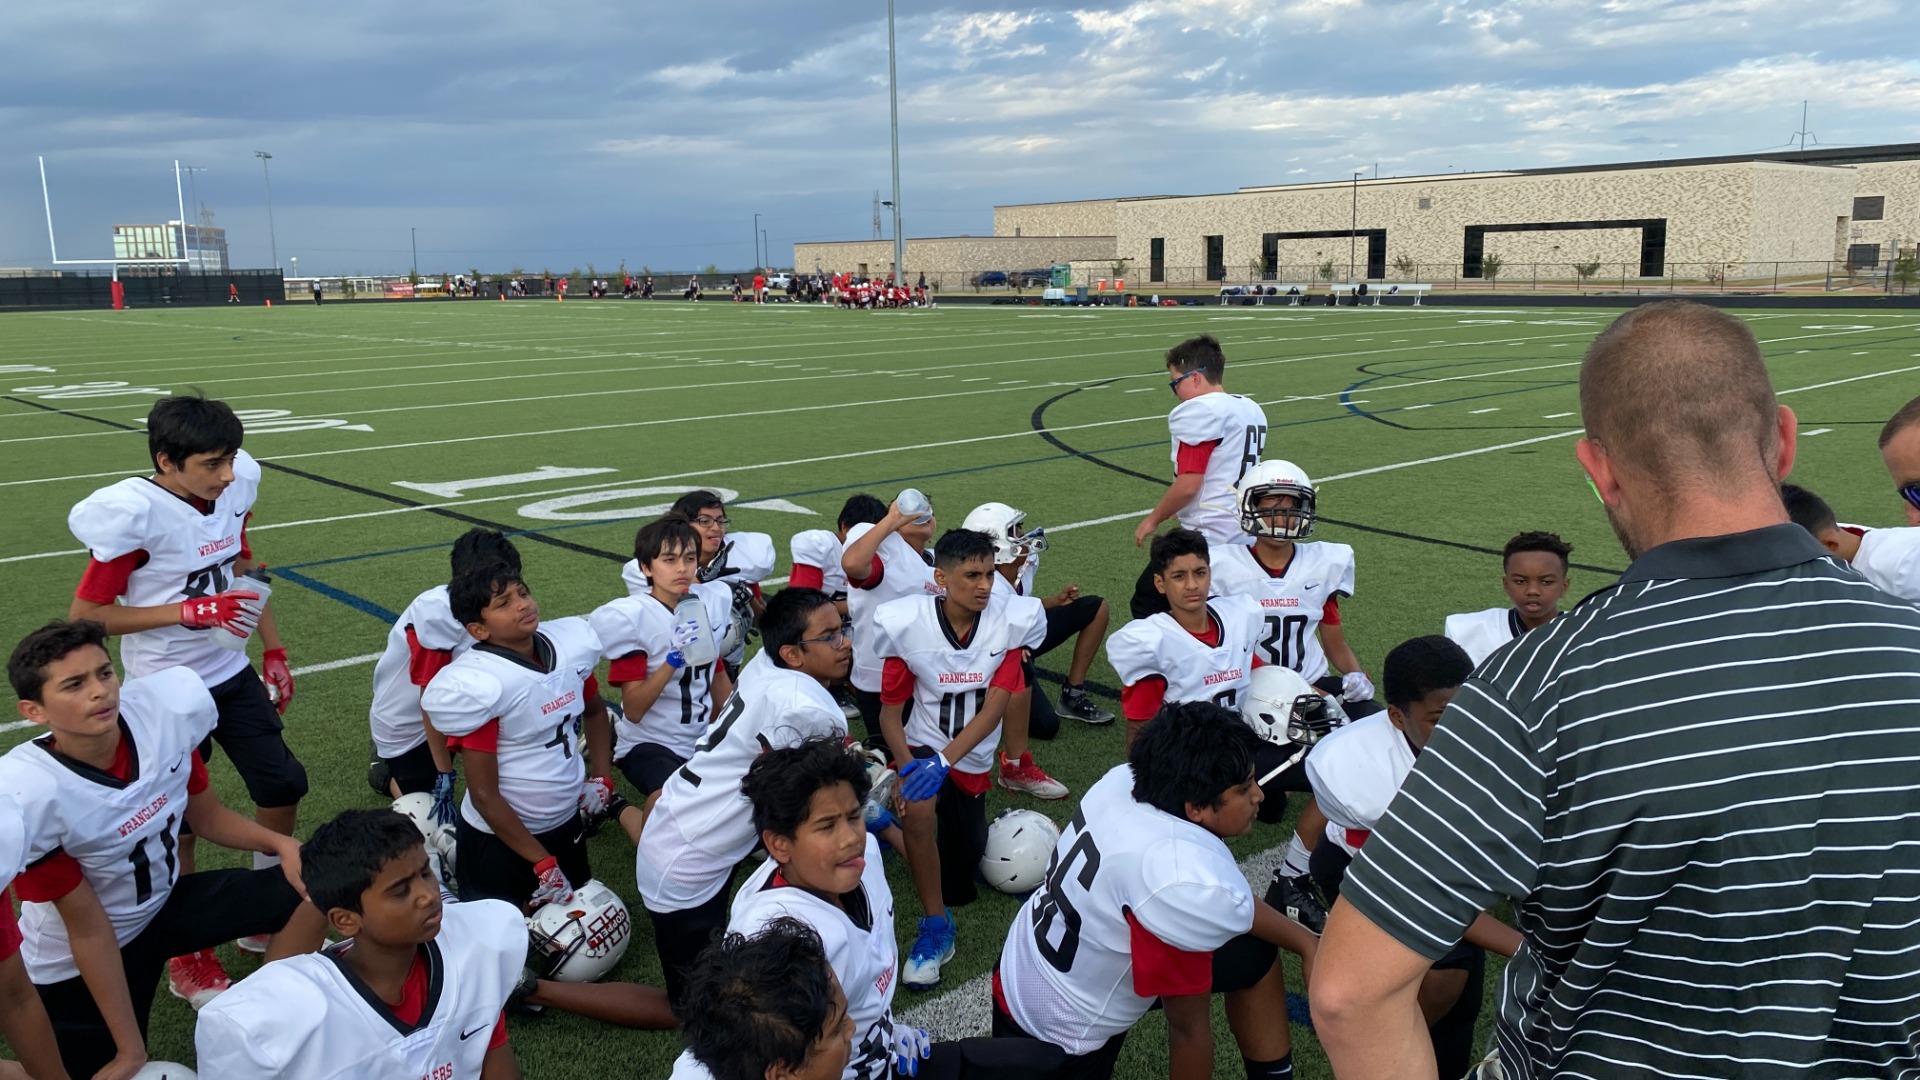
x=1911 y=493
x=710 y=521
x=1174 y=384
x=832 y=639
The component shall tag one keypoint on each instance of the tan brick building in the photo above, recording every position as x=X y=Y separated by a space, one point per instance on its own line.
x=1785 y=214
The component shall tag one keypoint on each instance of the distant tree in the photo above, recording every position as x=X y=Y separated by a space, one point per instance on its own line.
x=1405 y=264
x=1586 y=270
x=1325 y=270
x=414 y=277
x=593 y=271
x=1120 y=267
x=645 y=270
x=711 y=271
x=1490 y=266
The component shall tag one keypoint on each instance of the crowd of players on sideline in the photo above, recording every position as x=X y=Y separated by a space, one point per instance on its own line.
x=1239 y=693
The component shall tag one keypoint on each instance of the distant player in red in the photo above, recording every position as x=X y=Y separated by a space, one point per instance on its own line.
x=759 y=287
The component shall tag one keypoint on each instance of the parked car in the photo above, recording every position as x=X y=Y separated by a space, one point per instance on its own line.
x=1034 y=279
x=990 y=278
x=779 y=281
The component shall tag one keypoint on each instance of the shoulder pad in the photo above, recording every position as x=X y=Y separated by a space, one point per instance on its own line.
x=112 y=521
x=575 y=639
x=462 y=698
x=431 y=616
x=622 y=627
x=815 y=547
x=1194 y=421
x=174 y=697
x=752 y=555
x=635 y=578
x=1133 y=652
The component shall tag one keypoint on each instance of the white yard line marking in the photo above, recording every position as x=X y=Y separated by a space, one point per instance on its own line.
x=1477 y=412
x=1558 y=415
x=335 y=665
x=1815 y=431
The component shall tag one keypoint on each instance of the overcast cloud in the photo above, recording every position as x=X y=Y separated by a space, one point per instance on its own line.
x=554 y=135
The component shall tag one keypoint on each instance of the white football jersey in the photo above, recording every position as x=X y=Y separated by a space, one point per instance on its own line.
x=1239 y=425
x=310 y=1017
x=540 y=710
x=749 y=555
x=1479 y=633
x=1023 y=583
x=395 y=714
x=13 y=841
x=864 y=954
x=189 y=555
x=820 y=548
x=1157 y=645
x=1890 y=559
x=1292 y=602
x=702 y=825
x=687 y=1067
x=903 y=573
x=125 y=834
x=1067 y=966
x=642 y=624
x=950 y=678
x=1356 y=772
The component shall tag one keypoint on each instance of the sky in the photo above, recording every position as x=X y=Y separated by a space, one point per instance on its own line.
x=497 y=135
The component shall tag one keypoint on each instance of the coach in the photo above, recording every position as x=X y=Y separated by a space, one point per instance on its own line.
x=1900 y=449
x=1697 y=787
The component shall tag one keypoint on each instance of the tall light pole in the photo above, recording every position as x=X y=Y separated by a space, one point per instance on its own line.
x=271 y=239
x=893 y=103
x=1353 y=227
x=756 y=241
x=415 y=233
x=767 y=258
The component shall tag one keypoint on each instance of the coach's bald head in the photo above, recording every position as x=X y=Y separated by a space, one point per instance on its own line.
x=1900 y=449
x=1683 y=434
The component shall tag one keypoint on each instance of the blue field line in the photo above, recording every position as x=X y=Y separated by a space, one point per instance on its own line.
x=357 y=603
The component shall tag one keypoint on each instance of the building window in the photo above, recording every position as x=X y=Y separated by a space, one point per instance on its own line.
x=1216 y=248
x=1425 y=203
x=1869 y=207
x=1157 y=259
x=1863 y=256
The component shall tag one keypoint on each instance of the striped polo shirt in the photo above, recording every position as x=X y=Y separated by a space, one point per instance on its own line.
x=1701 y=790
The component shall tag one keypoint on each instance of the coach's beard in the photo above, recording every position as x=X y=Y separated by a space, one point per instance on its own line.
x=1632 y=547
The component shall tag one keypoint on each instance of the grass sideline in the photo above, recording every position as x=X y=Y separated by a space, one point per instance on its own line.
x=1440 y=432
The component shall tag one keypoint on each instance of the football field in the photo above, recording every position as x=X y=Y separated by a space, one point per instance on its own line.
x=386 y=430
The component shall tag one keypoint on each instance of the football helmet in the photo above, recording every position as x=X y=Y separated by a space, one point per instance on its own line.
x=164 y=1070
x=581 y=940
x=1007 y=527
x=1020 y=843
x=417 y=807
x=882 y=781
x=1284 y=709
x=1276 y=477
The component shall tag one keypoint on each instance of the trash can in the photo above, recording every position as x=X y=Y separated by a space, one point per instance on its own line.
x=1080 y=294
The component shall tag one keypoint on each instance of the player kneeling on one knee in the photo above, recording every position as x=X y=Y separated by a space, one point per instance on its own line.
x=951 y=663
x=1144 y=902
x=416 y=988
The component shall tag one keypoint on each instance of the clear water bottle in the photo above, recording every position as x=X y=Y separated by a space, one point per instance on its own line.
x=254 y=580
x=916 y=506
x=700 y=648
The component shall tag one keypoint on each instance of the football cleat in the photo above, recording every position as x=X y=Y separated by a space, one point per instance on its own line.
x=197 y=978
x=1075 y=702
x=1298 y=898
x=1029 y=779
x=931 y=949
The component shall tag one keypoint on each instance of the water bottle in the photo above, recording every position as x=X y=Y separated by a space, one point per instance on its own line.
x=254 y=580
x=700 y=649
x=917 y=507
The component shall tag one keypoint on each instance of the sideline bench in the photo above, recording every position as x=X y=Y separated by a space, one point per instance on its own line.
x=1261 y=293
x=1377 y=293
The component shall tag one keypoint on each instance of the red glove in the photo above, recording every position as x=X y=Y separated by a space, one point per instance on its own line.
x=278 y=677
x=228 y=611
x=553 y=887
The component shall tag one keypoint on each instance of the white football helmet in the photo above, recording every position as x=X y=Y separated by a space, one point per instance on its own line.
x=164 y=1070
x=1284 y=709
x=417 y=807
x=1007 y=527
x=1276 y=477
x=581 y=940
x=1020 y=843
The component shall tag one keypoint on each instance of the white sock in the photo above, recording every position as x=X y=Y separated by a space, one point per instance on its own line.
x=1295 y=863
x=265 y=862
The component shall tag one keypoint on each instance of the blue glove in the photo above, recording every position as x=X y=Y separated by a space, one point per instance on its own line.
x=920 y=779
x=443 y=798
x=675 y=660
x=911 y=1046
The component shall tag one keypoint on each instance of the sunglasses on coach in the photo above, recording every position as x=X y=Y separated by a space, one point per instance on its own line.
x=1911 y=493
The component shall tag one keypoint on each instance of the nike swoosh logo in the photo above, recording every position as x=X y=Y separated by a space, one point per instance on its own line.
x=176 y=766
x=465 y=1035
x=237 y=513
